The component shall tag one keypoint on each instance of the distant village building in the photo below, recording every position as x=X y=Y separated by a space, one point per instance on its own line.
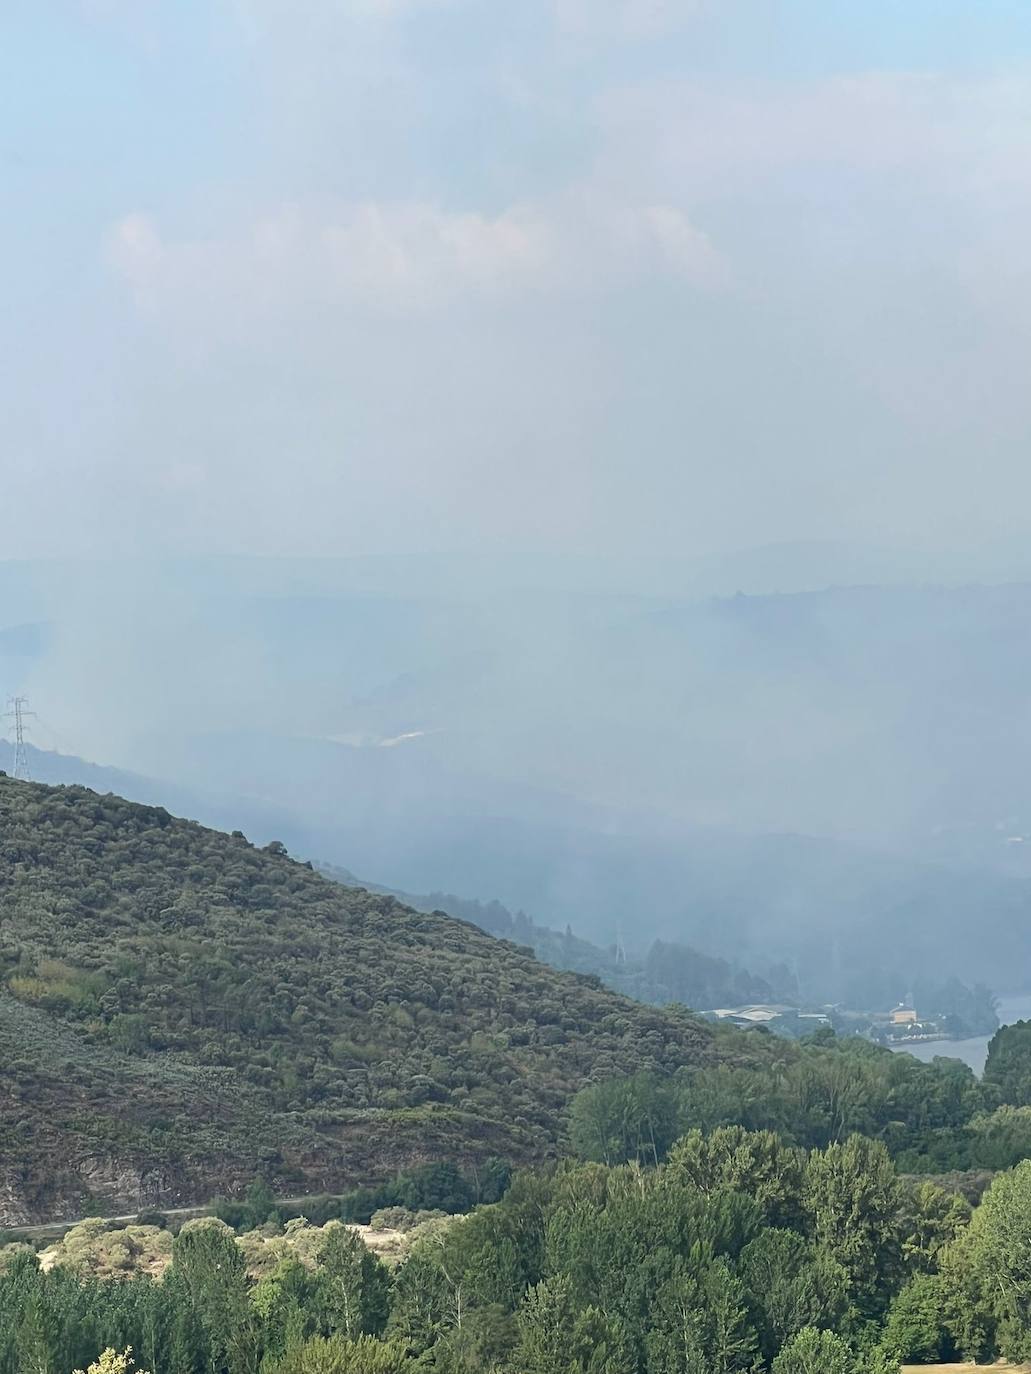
x=755 y=1015
x=773 y=1016
x=903 y=1016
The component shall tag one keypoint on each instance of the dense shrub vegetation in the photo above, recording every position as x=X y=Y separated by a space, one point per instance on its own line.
x=669 y=972
x=740 y=1253
x=674 y=972
x=262 y=1020
x=440 y=1188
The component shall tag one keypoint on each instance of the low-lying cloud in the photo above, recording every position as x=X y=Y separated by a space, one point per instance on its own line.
x=411 y=256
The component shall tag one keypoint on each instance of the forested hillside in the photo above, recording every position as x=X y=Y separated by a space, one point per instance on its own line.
x=181 y=1011
x=667 y=973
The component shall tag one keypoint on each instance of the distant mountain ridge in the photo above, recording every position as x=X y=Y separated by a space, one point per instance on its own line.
x=848 y=923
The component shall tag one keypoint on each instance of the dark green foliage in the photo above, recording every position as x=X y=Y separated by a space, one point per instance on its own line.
x=208 y=1265
x=260 y=1018
x=790 y=1283
x=624 y=1119
x=699 y=1324
x=556 y=1337
x=435 y=1187
x=286 y=1307
x=917 y=1330
x=1008 y=1068
x=428 y=1187
x=931 y=1219
x=491 y=1181
x=1001 y=1138
x=257 y=1207
x=150 y=1218
x=352 y=1287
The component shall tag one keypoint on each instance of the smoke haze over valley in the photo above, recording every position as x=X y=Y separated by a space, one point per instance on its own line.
x=515 y=687
x=832 y=778
x=573 y=455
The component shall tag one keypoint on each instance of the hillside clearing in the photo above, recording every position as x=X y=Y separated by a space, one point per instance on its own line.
x=1001 y=1368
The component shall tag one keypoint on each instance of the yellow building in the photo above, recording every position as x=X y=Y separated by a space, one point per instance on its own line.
x=903 y=1016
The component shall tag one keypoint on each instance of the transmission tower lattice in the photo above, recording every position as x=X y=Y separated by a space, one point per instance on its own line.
x=18 y=714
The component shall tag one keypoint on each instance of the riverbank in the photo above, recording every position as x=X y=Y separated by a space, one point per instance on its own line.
x=972 y=1051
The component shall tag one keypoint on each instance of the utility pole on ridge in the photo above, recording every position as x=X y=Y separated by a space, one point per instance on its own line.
x=17 y=713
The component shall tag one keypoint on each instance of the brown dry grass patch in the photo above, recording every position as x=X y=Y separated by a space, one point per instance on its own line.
x=1001 y=1368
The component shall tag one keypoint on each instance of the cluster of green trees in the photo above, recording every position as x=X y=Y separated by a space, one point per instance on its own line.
x=932 y=1118
x=437 y=1187
x=739 y=1253
x=204 y=1314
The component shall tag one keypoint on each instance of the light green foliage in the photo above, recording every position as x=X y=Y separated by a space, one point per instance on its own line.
x=752 y=1162
x=877 y=1361
x=111 y=1362
x=15 y=1251
x=284 y=1301
x=931 y=1218
x=816 y=1352
x=337 y=1356
x=1001 y=1138
x=579 y=1269
x=208 y=1263
x=265 y=1248
x=852 y=1199
x=987 y=1271
x=93 y=1247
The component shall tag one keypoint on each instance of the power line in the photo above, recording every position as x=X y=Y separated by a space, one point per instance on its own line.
x=18 y=714
x=620 y=948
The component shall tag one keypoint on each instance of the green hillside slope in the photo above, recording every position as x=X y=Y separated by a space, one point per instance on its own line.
x=180 y=1011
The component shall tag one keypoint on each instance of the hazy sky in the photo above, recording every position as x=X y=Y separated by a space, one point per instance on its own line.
x=347 y=276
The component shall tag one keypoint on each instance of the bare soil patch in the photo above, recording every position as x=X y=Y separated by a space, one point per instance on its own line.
x=1001 y=1368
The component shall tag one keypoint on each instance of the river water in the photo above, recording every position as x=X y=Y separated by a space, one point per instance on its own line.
x=975 y=1050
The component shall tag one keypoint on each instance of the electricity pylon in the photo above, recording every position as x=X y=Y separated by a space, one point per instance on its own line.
x=18 y=713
